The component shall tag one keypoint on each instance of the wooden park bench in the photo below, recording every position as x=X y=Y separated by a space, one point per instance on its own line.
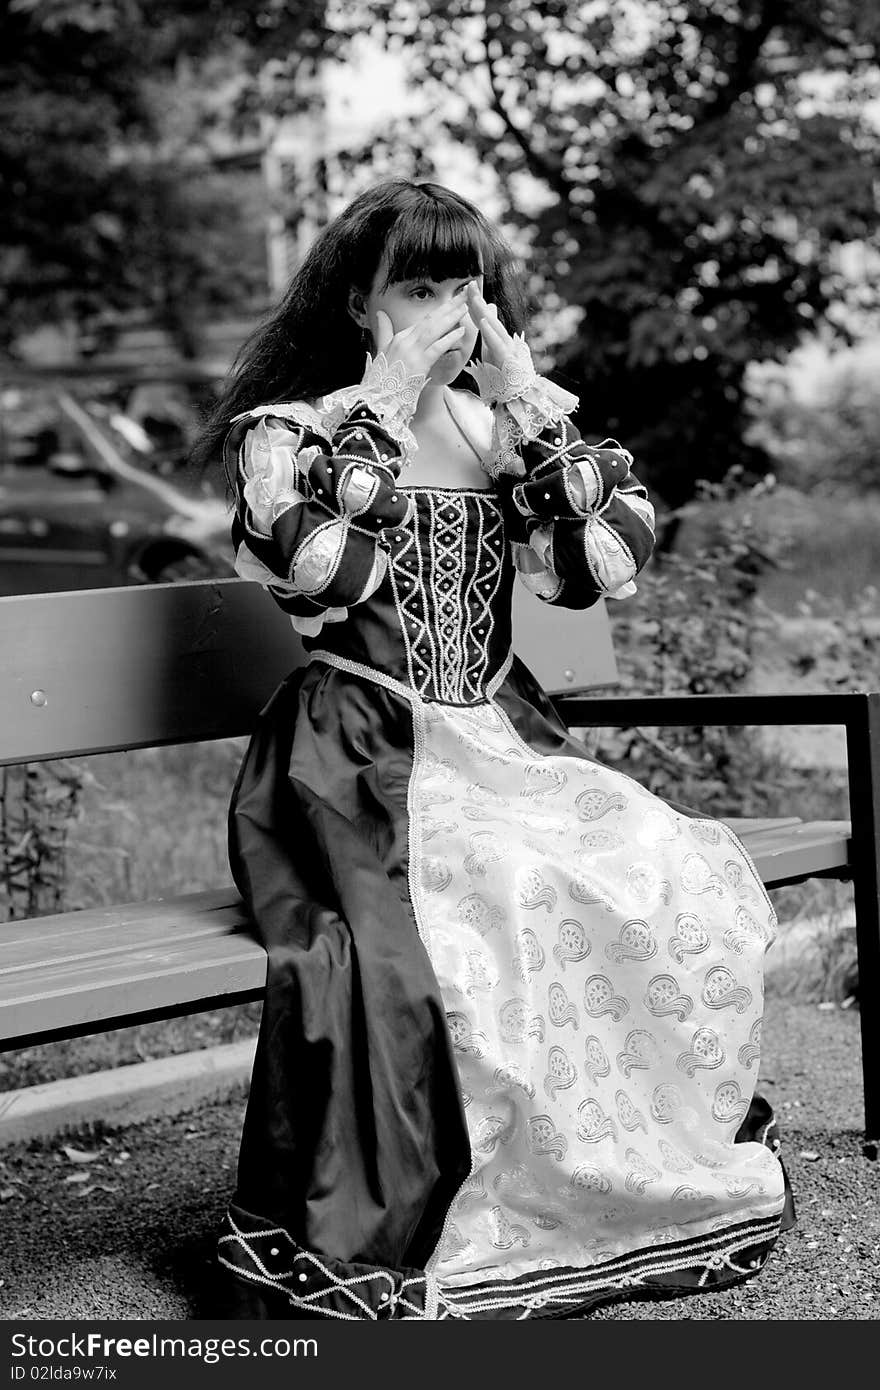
x=104 y=670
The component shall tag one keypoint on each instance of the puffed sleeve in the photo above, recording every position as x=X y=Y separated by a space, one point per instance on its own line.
x=580 y=522
x=315 y=489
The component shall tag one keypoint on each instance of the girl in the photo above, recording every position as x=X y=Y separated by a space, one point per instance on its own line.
x=513 y=1006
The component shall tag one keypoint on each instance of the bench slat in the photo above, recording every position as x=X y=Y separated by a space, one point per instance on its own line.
x=137 y=667
x=99 y=670
x=141 y=970
x=171 y=957
x=90 y=928
x=101 y=953
x=84 y=971
x=787 y=853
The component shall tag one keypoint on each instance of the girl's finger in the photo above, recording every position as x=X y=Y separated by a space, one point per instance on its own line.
x=448 y=340
x=484 y=315
x=494 y=335
x=441 y=313
x=384 y=330
x=451 y=316
x=482 y=309
x=492 y=322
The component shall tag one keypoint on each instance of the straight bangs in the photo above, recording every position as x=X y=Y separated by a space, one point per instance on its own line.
x=433 y=241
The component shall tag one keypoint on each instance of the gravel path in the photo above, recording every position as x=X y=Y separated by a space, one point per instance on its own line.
x=129 y=1233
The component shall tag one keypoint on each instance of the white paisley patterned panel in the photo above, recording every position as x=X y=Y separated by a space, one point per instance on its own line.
x=600 y=959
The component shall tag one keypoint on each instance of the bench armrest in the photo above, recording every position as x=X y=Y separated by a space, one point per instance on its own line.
x=606 y=711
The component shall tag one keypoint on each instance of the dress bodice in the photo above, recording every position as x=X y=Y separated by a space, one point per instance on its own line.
x=440 y=621
x=414 y=584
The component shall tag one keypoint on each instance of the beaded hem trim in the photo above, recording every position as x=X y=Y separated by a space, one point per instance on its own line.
x=324 y=1288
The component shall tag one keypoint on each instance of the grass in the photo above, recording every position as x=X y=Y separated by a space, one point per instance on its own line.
x=152 y=821
x=834 y=548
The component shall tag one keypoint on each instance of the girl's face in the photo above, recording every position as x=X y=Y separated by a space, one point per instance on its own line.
x=406 y=302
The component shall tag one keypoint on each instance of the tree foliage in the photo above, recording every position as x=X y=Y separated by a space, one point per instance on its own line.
x=684 y=174
x=107 y=111
x=698 y=165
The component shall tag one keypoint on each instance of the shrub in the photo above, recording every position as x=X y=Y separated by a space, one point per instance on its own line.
x=693 y=629
x=699 y=625
x=38 y=804
x=828 y=441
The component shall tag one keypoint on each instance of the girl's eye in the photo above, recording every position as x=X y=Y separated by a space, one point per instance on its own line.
x=419 y=290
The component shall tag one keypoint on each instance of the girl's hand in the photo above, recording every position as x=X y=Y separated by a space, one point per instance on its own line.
x=506 y=370
x=498 y=345
x=419 y=346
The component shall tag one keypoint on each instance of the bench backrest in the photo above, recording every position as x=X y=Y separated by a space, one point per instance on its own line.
x=103 y=669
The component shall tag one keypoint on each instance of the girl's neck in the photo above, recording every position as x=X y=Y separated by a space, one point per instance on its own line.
x=431 y=403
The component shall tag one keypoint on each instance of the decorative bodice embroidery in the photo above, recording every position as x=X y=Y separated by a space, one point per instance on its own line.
x=446 y=573
x=439 y=623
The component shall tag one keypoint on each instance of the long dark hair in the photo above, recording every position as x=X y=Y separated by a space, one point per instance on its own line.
x=310 y=345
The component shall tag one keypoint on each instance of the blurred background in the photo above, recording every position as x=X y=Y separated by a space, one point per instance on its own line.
x=693 y=188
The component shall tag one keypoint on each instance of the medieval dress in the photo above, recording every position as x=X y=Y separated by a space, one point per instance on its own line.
x=512 y=1020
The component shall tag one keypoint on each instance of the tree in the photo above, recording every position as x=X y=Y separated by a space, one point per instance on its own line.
x=697 y=168
x=108 y=110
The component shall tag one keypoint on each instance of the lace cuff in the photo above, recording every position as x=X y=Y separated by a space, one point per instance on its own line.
x=530 y=404
x=389 y=392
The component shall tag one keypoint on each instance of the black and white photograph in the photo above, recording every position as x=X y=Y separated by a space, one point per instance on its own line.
x=439 y=671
